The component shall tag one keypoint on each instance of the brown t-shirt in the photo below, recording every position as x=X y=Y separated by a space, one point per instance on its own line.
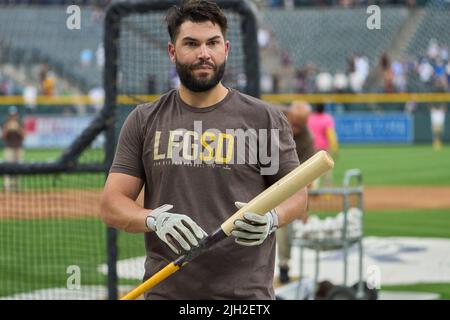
x=304 y=144
x=205 y=186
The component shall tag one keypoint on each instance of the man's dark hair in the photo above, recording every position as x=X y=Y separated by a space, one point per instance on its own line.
x=195 y=11
x=319 y=108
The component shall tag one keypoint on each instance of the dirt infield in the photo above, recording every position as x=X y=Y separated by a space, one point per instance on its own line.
x=86 y=203
x=389 y=198
x=381 y=198
x=51 y=204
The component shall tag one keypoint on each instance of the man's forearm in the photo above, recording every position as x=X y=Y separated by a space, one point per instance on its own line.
x=293 y=208
x=123 y=213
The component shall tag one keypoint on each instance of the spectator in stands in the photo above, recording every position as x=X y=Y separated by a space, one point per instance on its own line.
x=321 y=126
x=433 y=49
x=444 y=53
x=386 y=71
x=305 y=77
x=398 y=76
x=346 y=3
x=263 y=38
x=425 y=70
x=324 y=82
x=100 y=56
x=340 y=82
x=358 y=70
x=13 y=134
x=3 y=87
x=47 y=81
x=97 y=14
x=96 y=98
x=362 y=67
x=440 y=76
x=286 y=60
x=86 y=58
x=241 y=81
x=266 y=83
x=410 y=3
x=297 y=116
x=356 y=82
x=447 y=72
x=29 y=94
x=351 y=64
x=276 y=83
x=7 y=87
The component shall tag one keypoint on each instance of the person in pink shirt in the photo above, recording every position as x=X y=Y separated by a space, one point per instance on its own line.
x=321 y=126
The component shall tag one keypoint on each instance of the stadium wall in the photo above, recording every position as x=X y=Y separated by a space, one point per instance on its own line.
x=352 y=127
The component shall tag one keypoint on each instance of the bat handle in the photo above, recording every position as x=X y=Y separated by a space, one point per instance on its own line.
x=204 y=244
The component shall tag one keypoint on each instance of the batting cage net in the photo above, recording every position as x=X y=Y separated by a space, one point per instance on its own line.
x=52 y=169
x=68 y=91
x=138 y=43
x=69 y=76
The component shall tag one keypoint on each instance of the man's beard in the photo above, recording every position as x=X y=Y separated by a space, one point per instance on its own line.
x=195 y=84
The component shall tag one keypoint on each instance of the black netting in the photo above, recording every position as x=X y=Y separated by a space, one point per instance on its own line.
x=53 y=244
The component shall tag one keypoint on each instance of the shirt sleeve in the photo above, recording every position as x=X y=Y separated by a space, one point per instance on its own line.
x=285 y=158
x=329 y=123
x=304 y=145
x=128 y=157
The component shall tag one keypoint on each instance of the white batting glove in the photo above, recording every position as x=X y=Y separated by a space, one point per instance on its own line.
x=254 y=228
x=176 y=230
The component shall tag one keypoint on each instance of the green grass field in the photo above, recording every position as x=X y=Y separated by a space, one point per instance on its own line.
x=381 y=165
x=38 y=252
x=47 y=247
x=443 y=289
x=49 y=155
x=417 y=165
x=42 y=249
x=405 y=223
x=61 y=181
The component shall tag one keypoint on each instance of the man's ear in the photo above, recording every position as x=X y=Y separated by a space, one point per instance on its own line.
x=227 y=49
x=171 y=51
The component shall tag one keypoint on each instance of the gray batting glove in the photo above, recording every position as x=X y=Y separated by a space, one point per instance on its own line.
x=176 y=230
x=255 y=228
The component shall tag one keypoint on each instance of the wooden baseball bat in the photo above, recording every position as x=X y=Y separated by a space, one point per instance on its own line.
x=281 y=190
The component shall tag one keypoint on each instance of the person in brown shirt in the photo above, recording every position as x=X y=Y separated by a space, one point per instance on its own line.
x=199 y=150
x=297 y=114
x=13 y=134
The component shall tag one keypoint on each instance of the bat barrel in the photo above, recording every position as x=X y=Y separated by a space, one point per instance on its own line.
x=284 y=188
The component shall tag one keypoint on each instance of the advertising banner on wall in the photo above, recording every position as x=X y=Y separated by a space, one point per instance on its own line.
x=373 y=128
x=56 y=131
